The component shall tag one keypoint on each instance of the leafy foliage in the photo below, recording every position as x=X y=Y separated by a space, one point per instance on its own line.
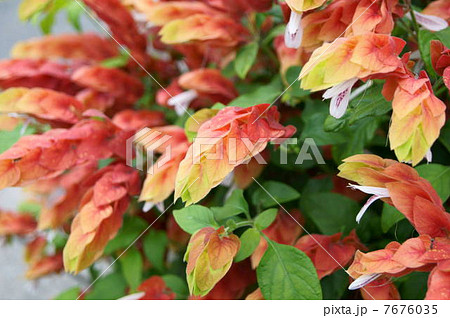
x=271 y=141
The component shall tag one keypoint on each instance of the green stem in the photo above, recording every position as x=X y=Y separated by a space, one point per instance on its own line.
x=438 y=83
x=244 y=223
x=413 y=18
x=93 y=272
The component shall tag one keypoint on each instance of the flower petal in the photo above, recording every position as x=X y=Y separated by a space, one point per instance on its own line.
x=430 y=22
x=363 y=281
x=294 y=32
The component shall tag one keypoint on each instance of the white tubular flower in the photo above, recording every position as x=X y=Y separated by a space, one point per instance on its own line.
x=149 y=205
x=362 y=281
x=429 y=22
x=340 y=97
x=182 y=101
x=294 y=32
x=378 y=193
x=429 y=156
x=135 y=296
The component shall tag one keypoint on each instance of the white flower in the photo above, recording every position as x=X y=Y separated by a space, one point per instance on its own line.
x=363 y=281
x=135 y=296
x=149 y=205
x=294 y=32
x=378 y=193
x=429 y=156
x=340 y=97
x=429 y=22
x=182 y=101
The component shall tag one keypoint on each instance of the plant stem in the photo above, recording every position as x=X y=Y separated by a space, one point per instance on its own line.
x=413 y=18
x=244 y=223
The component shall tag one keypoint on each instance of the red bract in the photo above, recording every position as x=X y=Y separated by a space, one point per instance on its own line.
x=440 y=58
x=50 y=154
x=38 y=73
x=155 y=288
x=87 y=47
x=16 y=224
x=329 y=253
x=419 y=202
x=41 y=103
x=40 y=263
x=137 y=119
x=238 y=8
x=120 y=85
x=401 y=186
x=284 y=230
x=197 y=89
x=238 y=134
x=122 y=26
x=96 y=87
x=160 y=181
x=100 y=216
x=61 y=195
x=380 y=289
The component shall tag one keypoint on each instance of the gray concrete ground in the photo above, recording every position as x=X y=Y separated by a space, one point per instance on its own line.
x=13 y=285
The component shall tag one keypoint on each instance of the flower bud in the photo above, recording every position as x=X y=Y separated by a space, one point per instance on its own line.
x=209 y=256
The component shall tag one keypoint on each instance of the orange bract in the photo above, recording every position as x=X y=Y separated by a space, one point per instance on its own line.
x=100 y=216
x=234 y=136
x=209 y=256
x=87 y=47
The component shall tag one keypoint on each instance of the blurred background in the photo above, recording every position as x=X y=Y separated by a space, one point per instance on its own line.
x=13 y=284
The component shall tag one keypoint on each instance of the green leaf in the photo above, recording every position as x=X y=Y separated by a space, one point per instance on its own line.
x=234 y=205
x=439 y=177
x=131 y=229
x=335 y=285
x=69 y=294
x=249 y=242
x=74 y=12
x=266 y=218
x=413 y=286
x=194 y=217
x=274 y=32
x=314 y=117
x=389 y=217
x=273 y=193
x=29 y=8
x=330 y=212
x=177 y=285
x=154 y=245
x=425 y=38
x=286 y=273
x=132 y=266
x=116 y=62
x=9 y=138
x=47 y=23
x=263 y=94
x=292 y=74
x=108 y=287
x=245 y=59
x=444 y=137
x=444 y=36
x=357 y=138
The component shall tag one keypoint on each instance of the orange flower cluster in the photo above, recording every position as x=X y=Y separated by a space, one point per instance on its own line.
x=414 y=197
